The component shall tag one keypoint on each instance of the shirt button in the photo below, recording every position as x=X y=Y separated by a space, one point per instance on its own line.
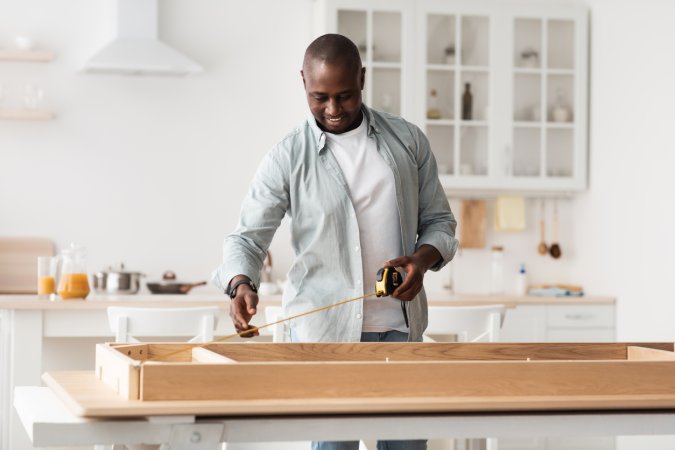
x=356 y=249
x=358 y=316
x=358 y=282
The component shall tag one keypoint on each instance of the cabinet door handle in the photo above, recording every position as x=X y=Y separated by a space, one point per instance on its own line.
x=579 y=316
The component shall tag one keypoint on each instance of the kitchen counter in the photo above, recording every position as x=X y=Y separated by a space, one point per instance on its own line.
x=23 y=302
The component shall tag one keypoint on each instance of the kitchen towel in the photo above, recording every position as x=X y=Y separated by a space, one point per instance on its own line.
x=510 y=213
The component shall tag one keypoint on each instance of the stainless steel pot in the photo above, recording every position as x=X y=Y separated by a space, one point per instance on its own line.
x=117 y=281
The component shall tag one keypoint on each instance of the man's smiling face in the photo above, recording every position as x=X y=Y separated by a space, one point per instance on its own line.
x=334 y=94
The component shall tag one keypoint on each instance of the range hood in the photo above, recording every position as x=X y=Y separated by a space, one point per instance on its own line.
x=136 y=50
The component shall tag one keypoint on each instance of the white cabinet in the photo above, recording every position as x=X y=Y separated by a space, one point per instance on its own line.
x=576 y=322
x=499 y=87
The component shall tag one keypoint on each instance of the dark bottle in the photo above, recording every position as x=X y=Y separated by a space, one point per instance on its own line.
x=467 y=102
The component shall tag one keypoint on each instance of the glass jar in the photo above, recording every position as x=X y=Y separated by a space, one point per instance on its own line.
x=73 y=281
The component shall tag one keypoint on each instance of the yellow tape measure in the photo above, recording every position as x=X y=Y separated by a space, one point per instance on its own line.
x=387 y=280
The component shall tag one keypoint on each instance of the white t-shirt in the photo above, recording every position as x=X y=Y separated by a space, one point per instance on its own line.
x=373 y=193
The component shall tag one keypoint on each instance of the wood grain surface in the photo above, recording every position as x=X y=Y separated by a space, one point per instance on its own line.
x=87 y=396
x=18 y=263
x=472 y=224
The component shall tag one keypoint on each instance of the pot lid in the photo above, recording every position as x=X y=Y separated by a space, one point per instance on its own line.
x=169 y=278
x=119 y=269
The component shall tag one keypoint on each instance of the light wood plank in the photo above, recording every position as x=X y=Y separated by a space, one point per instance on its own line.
x=267 y=352
x=26 y=55
x=26 y=114
x=115 y=368
x=88 y=397
x=393 y=379
x=636 y=353
x=203 y=355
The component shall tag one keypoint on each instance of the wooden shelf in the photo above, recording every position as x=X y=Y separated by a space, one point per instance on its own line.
x=26 y=55
x=26 y=114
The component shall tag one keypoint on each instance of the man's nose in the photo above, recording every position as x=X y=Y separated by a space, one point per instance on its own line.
x=333 y=107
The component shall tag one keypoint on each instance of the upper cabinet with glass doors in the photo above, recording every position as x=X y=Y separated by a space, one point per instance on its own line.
x=548 y=99
x=381 y=29
x=499 y=87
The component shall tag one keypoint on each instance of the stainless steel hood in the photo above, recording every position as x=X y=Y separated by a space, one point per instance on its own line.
x=136 y=50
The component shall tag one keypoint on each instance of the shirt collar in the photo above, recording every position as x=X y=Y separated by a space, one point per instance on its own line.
x=320 y=136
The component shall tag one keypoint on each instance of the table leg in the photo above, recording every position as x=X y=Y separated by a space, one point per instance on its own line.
x=25 y=367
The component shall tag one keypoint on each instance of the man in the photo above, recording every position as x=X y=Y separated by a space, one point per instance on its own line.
x=361 y=188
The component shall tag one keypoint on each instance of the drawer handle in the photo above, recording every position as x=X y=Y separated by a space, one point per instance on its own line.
x=579 y=316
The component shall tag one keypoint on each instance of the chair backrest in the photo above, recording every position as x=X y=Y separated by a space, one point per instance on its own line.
x=280 y=332
x=128 y=323
x=468 y=323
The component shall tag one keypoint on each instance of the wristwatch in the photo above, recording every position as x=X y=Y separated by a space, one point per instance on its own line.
x=232 y=291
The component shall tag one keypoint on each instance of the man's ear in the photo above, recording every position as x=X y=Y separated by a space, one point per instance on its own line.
x=302 y=74
x=363 y=77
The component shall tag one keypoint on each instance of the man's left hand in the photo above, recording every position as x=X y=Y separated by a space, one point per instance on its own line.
x=412 y=284
x=415 y=266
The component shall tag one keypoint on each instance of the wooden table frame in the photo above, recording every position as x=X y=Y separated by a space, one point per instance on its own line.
x=368 y=378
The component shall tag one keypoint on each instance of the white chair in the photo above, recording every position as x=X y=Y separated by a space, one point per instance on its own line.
x=279 y=332
x=128 y=323
x=468 y=323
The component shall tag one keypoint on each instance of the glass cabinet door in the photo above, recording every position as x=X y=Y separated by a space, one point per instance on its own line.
x=378 y=34
x=543 y=98
x=457 y=92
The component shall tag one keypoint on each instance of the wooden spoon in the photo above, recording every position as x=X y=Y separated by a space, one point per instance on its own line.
x=555 y=250
x=542 y=248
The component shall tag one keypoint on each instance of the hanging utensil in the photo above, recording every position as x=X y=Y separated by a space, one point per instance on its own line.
x=555 y=250
x=542 y=248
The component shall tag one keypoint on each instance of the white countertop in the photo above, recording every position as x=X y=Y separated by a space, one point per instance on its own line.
x=153 y=300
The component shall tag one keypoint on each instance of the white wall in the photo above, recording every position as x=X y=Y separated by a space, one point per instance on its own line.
x=624 y=224
x=148 y=170
x=151 y=171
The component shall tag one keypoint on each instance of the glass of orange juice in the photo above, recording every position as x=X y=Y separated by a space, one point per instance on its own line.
x=46 y=272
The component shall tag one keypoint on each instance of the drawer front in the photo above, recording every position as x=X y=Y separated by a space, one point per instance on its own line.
x=580 y=335
x=580 y=316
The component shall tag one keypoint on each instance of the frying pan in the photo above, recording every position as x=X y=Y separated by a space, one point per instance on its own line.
x=169 y=285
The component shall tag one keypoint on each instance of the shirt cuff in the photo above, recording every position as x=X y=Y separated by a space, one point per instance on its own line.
x=441 y=241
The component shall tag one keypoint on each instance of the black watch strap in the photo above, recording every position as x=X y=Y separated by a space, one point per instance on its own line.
x=232 y=292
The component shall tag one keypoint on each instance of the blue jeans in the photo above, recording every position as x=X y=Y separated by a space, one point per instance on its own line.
x=389 y=336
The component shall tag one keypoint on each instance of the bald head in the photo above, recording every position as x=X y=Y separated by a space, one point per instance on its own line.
x=332 y=49
x=333 y=80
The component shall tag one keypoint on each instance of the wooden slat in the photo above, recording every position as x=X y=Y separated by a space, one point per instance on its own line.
x=636 y=353
x=114 y=369
x=203 y=355
x=26 y=114
x=265 y=352
x=26 y=55
x=366 y=379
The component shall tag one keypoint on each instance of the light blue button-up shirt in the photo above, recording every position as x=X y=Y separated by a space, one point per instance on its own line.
x=300 y=177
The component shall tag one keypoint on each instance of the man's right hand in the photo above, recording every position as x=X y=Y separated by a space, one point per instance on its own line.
x=242 y=308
